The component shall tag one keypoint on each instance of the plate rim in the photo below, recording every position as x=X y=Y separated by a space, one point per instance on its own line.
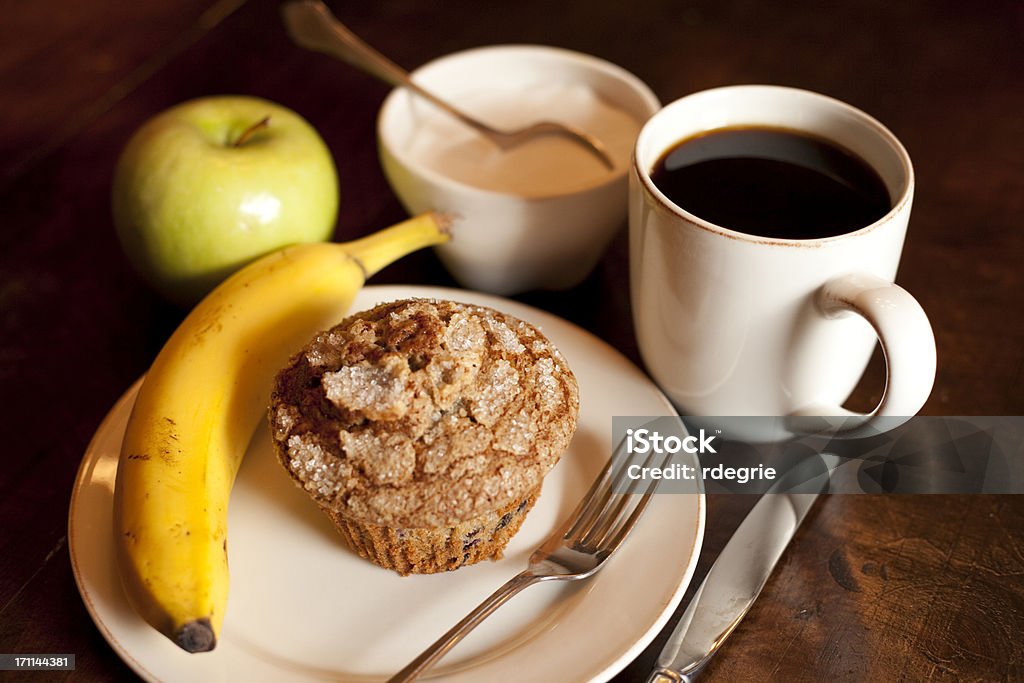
x=122 y=652
x=382 y=293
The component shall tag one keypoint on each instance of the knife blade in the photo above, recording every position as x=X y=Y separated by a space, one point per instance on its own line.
x=738 y=575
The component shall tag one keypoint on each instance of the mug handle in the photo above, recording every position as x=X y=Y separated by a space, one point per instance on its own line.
x=908 y=344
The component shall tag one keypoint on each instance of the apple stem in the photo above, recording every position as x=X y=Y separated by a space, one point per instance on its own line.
x=251 y=130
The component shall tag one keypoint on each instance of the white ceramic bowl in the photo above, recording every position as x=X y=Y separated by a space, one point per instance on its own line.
x=506 y=243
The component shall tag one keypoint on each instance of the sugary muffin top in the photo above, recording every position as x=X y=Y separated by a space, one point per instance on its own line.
x=423 y=413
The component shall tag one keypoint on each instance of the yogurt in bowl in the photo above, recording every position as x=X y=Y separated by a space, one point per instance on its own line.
x=538 y=216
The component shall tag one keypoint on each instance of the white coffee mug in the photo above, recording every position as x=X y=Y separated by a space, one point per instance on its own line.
x=736 y=324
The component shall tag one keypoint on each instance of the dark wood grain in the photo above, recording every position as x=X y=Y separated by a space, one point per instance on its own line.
x=873 y=588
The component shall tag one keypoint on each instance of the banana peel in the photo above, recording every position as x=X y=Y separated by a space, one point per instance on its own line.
x=197 y=409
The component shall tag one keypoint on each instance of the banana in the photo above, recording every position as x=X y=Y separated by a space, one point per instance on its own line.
x=197 y=409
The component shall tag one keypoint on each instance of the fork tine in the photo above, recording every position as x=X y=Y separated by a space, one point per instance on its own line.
x=609 y=541
x=603 y=520
x=597 y=492
x=609 y=516
x=597 y=497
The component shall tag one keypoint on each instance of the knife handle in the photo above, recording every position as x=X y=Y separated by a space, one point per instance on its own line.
x=661 y=675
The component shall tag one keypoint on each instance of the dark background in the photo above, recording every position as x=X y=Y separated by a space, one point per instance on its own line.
x=905 y=588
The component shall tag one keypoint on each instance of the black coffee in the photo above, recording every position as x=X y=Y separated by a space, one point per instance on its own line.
x=772 y=182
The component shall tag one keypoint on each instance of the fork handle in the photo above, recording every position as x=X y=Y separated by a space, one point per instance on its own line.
x=446 y=642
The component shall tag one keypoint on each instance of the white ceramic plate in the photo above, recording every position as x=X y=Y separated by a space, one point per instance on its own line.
x=304 y=607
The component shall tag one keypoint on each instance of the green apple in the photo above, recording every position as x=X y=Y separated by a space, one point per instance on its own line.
x=211 y=184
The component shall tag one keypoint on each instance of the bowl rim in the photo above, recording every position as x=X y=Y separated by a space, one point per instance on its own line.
x=386 y=144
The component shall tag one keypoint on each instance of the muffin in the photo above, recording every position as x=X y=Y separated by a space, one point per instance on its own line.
x=424 y=429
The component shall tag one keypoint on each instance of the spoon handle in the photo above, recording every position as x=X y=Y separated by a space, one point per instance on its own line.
x=311 y=25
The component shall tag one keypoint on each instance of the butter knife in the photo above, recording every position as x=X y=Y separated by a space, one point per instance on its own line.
x=736 y=578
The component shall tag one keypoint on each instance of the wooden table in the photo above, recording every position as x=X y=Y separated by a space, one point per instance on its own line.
x=872 y=588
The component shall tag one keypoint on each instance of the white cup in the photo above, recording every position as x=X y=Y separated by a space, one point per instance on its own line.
x=735 y=324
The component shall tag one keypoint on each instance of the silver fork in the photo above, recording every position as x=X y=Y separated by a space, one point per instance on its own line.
x=312 y=26
x=577 y=550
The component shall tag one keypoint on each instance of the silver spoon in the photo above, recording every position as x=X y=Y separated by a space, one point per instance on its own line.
x=312 y=26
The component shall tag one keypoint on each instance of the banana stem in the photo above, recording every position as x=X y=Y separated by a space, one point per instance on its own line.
x=375 y=251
